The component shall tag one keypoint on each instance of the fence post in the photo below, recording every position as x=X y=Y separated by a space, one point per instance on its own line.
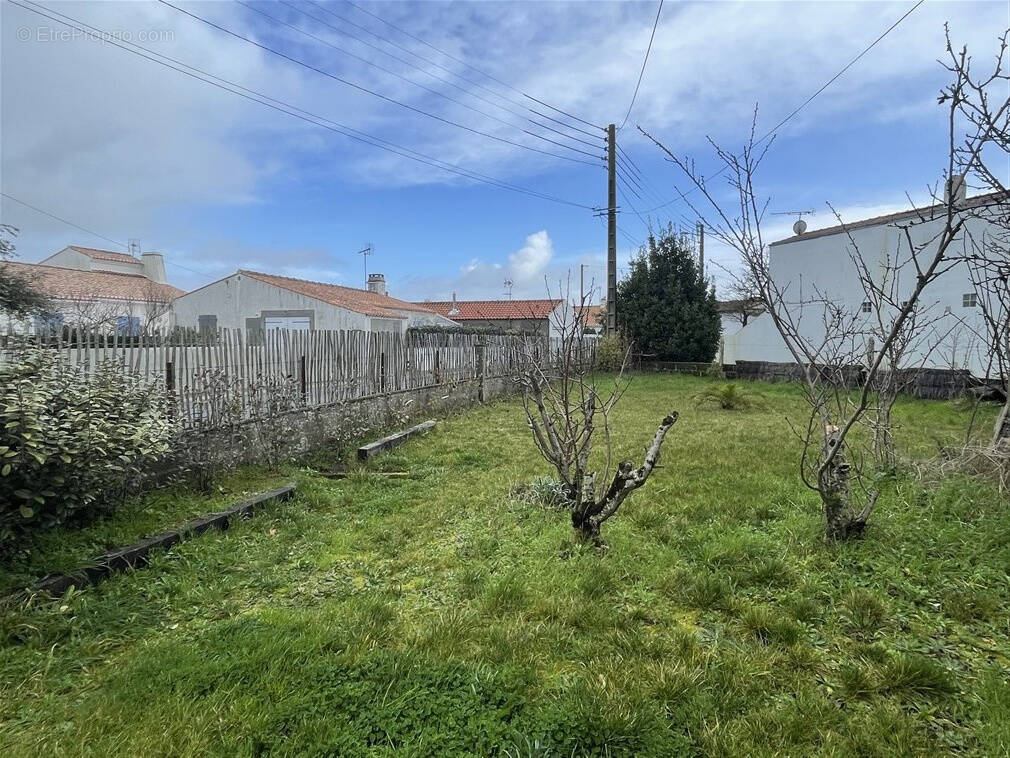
x=170 y=385
x=382 y=372
x=480 y=354
x=303 y=383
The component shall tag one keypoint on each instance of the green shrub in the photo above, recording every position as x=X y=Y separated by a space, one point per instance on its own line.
x=610 y=352
x=70 y=443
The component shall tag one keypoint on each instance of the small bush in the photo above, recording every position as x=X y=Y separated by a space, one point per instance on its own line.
x=72 y=444
x=729 y=397
x=610 y=352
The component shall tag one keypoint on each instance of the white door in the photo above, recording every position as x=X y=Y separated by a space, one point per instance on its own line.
x=293 y=323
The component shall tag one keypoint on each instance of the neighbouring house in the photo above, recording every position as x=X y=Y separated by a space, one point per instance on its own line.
x=540 y=317
x=257 y=302
x=593 y=318
x=816 y=266
x=100 y=289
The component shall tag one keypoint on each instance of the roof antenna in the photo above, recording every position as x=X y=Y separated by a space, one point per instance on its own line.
x=508 y=288
x=800 y=226
x=454 y=311
x=134 y=247
x=364 y=253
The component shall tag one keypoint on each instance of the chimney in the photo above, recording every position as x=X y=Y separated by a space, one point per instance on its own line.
x=153 y=265
x=955 y=189
x=377 y=283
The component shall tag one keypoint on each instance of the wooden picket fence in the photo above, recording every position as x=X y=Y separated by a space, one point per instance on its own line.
x=228 y=375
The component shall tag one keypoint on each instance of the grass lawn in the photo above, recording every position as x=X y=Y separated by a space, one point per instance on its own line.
x=439 y=616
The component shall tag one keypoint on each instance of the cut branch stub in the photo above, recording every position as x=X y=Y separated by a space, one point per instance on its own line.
x=588 y=518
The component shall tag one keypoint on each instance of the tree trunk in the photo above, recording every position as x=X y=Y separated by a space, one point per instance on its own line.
x=1001 y=433
x=842 y=521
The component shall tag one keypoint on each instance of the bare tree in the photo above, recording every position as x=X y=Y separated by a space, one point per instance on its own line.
x=567 y=411
x=930 y=244
x=744 y=295
x=156 y=304
x=982 y=103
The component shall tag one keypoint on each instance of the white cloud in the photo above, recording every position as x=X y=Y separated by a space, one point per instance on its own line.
x=534 y=270
x=531 y=259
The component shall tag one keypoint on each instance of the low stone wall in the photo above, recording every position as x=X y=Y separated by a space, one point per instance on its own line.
x=931 y=384
x=294 y=433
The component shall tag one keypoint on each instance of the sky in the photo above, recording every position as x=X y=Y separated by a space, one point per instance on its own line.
x=132 y=150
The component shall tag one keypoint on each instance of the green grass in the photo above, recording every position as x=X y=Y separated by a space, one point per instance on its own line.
x=442 y=615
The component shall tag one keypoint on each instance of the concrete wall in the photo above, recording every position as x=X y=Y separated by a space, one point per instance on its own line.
x=822 y=266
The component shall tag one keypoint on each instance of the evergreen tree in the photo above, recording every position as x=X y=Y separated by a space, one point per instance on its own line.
x=664 y=305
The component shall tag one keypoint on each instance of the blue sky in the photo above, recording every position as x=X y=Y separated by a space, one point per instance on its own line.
x=132 y=150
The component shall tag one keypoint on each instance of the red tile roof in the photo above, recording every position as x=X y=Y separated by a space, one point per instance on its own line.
x=360 y=301
x=494 y=310
x=105 y=255
x=593 y=315
x=68 y=283
x=927 y=212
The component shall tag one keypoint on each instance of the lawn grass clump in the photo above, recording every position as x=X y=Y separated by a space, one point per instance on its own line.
x=440 y=615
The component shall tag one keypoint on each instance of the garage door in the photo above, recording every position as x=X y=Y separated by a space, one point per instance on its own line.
x=294 y=323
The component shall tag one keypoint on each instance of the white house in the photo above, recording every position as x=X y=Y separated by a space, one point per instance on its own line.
x=256 y=302
x=99 y=289
x=149 y=265
x=818 y=263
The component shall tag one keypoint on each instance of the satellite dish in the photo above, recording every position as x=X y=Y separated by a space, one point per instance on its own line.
x=800 y=226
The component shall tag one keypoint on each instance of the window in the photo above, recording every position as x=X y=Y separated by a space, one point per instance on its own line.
x=969 y=300
x=207 y=324
x=128 y=326
x=48 y=324
x=867 y=307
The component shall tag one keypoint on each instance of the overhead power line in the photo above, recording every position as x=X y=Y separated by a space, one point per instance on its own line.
x=437 y=65
x=492 y=77
x=289 y=109
x=63 y=220
x=414 y=83
x=93 y=233
x=834 y=78
x=366 y=90
x=810 y=99
x=641 y=73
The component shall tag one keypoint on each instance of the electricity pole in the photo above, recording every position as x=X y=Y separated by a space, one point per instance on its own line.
x=701 y=250
x=611 y=229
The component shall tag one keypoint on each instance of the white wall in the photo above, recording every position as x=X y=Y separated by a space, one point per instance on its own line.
x=822 y=265
x=70 y=258
x=239 y=297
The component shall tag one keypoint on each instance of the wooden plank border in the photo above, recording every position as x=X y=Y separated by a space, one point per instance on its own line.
x=389 y=442
x=138 y=554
